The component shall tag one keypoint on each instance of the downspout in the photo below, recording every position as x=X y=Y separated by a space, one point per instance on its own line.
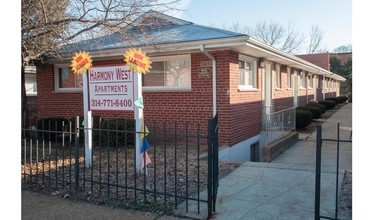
x=214 y=97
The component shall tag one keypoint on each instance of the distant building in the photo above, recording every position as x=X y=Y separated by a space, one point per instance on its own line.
x=323 y=60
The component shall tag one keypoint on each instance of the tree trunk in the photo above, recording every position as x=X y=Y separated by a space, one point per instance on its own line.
x=24 y=111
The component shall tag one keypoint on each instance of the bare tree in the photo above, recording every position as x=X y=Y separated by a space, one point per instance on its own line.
x=269 y=32
x=343 y=49
x=46 y=25
x=272 y=33
x=294 y=38
x=316 y=36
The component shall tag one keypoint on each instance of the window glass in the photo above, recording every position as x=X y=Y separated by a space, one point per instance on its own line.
x=247 y=73
x=289 y=78
x=67 y=79
x=156 y=75
x=278 y=76
x=169 y=73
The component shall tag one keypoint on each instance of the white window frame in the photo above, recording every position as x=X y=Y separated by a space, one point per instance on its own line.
x=30 y=83
x=302 y=80
x=253 y=62
x=310 y=81
x=288 y=69
x=56 y=80
x=278 y=76
x=170 y=88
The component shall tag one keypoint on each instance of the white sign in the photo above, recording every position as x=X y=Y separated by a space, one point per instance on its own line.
x=111 y=88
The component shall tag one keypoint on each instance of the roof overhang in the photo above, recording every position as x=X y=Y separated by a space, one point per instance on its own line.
x=241 y=44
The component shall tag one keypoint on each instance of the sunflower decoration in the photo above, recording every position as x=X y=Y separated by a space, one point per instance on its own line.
x=137 y=61
x=81 y=62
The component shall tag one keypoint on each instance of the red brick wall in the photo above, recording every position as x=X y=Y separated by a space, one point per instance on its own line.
x=321 y=60
x=183 y=106
x=245 y=106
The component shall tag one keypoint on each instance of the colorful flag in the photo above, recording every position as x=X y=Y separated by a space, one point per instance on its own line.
x=139 y=103
x=145 y=146
x=144 y=132
x=144 y=153
x=147 y=159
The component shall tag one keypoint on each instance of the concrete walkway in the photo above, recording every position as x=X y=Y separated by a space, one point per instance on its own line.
x=285 y=188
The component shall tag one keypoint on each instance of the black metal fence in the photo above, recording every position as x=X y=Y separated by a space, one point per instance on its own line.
x=184 y=162
x=319 y=142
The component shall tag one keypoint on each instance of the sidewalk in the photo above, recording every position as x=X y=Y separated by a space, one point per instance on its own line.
x=284 y=188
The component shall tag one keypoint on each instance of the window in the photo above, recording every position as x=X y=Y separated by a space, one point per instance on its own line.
x=278 y=76
x=288 y=78
x=310 y=81
x=247 y=73
x=168 y=73
x=302 y=80
x=66 y=80
x=30 y=84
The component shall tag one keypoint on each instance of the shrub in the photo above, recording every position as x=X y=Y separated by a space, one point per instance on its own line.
x=51 y=126
x=124 y=128
x=321 y=107
x=303 y=118
x=329 y=104
x=316 y=111
x=341 y=99
x=96 y=121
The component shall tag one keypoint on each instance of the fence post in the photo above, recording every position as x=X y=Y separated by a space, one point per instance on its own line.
x=337 y=177
x=209 y=168
x=318 y=173
x=77 y=154
x=215 y=160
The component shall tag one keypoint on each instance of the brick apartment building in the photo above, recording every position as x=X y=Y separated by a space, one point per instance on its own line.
x=252 y=79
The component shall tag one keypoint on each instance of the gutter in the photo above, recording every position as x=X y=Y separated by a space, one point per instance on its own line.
x=214 y=97
x=318 y=70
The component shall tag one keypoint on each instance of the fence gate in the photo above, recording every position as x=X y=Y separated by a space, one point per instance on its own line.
x=213 y=164
x=319 y=141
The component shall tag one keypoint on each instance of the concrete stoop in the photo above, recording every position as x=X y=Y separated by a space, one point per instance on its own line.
x=277 y=147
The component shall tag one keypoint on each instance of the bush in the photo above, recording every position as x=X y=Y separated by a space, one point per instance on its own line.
x=316 y=111
x=303 y=118
x=124 y=128
x=51 y=126
x=96 y=121
x=341 y=99
x=329 y=104
x=321 y=107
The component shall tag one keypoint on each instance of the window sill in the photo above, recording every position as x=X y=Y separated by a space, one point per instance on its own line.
x=68 y=91
x=289 y=89
x=248 y=90
x=165 y=89
x=31 y=94
x=278 y=89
